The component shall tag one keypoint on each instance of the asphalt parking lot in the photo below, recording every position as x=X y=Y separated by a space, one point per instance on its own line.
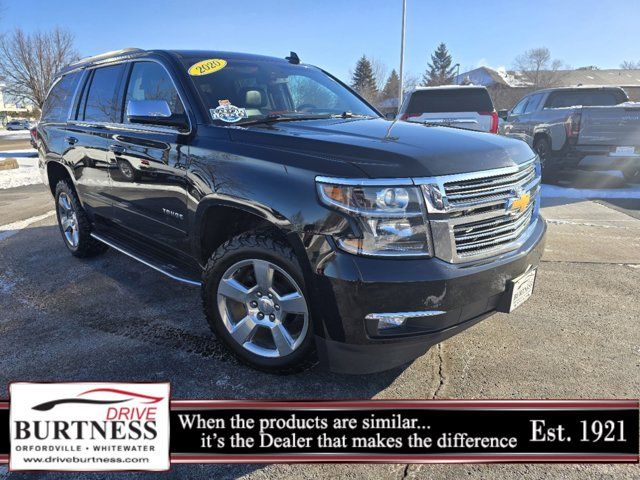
x=111 y=319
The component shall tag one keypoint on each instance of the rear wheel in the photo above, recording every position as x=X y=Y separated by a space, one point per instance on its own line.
x=74 y=224
x=254 y=300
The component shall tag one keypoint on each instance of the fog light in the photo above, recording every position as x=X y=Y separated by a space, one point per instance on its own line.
x=391 y=322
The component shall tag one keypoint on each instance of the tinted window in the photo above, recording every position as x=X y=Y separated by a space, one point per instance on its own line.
x=534 y=102
x=56 y=108
x=150 y=81
x=586 y=98
x=519 y=108
x=264 y=87
x=101 y=102
x=453 y=100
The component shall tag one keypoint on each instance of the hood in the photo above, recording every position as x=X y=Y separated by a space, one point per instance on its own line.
x=380 y=148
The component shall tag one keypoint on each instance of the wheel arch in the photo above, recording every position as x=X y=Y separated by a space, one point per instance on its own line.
x=219 y=218
x=56 y=171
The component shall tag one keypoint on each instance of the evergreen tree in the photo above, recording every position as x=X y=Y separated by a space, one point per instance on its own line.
x=440 y=71
x=363 y=80
x=392 y=87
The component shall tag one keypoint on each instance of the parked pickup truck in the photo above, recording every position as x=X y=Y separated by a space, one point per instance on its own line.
x=313 y=226
x=593 y=128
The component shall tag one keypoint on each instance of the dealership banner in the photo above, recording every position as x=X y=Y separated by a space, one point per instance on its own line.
x=136 y=427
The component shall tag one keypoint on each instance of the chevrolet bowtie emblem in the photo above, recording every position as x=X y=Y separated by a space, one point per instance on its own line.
x=519 y=203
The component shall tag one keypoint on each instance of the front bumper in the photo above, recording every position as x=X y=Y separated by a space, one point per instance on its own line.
x=348 y=288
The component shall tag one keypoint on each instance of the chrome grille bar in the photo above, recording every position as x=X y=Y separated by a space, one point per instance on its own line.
x=473 y=216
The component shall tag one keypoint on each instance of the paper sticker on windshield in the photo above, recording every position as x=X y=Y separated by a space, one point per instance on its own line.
x=205 y=67
x=227 y=112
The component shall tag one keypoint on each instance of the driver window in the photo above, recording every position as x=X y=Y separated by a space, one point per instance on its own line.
x=519 y=108
x=150 y=81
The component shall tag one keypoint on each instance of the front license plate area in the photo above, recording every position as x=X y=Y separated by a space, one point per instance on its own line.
x=520 y=289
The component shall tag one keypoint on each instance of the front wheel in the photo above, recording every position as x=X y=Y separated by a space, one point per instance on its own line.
x=254 y=299
x=543 y=148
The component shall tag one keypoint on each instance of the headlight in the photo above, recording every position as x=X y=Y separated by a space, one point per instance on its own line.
x=390 y=219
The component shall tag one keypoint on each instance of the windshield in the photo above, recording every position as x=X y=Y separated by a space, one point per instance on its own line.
x=240 y=91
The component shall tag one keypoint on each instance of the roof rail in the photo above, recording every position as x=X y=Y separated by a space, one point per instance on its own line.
x=105 y=56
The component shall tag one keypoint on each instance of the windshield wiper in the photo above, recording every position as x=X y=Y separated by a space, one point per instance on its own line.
x=348 y=114
x=275 y=117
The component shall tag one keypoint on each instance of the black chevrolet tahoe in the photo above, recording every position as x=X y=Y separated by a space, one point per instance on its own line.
x=316 y=229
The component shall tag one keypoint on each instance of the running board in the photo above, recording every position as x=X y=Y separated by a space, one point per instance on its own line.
x=178 y=275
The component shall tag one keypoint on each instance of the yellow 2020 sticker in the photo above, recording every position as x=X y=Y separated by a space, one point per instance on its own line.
x=205 y=67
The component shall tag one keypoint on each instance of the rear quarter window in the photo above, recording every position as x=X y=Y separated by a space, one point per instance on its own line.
x=56 y=107
x=585 y=98
x=454 y=100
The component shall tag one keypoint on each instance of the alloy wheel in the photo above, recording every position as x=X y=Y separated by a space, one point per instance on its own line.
x=263 y=308
x=68 y=220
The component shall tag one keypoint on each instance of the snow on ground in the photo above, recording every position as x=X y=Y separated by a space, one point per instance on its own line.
x=14 y=134
x=556 y=191
x=28 y=172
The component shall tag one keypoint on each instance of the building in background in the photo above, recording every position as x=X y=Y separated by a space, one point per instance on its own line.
x=507 y=87
x=12 y=111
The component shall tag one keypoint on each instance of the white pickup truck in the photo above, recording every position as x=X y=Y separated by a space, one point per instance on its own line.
x=594 y=128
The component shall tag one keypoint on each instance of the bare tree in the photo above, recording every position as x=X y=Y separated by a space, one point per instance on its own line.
x=379 y=72
x=628 y=65
x=537 y=68
x=30 y=62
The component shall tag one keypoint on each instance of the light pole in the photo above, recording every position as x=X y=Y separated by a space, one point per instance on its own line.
x=457 y=65
x=404 y=18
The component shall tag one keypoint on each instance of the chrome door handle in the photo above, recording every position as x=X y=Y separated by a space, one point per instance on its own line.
x=71 y=140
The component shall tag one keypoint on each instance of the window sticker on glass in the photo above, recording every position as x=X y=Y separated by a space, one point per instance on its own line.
x=227 y=112
x=205 y=67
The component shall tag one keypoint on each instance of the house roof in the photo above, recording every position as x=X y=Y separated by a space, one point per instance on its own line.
x=617 y=77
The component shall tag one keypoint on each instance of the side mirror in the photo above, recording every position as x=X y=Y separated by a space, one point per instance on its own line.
x=503 y=114
x=155 y=112
x=390 y=116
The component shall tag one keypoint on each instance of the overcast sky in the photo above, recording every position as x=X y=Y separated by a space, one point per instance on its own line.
x=334 y=33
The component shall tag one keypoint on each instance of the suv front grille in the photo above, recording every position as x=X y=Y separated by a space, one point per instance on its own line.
x=472 y=238
x=493 y=189
x=481 y=214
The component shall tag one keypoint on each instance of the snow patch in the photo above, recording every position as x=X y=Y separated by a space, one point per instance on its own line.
x=27 y=172
x=556 y=191
x=10 y=229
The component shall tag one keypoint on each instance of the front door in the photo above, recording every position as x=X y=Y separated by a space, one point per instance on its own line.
x=148 y=181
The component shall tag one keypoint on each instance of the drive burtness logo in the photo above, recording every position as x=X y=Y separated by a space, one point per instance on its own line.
x=89 y=427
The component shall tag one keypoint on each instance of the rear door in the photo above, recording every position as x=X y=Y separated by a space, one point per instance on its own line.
x=468 y=108
x=149 y=183
x=55 y=113
x=87 y=137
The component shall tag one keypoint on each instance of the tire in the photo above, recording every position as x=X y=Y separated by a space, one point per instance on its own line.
x=266 y=325
x=74 y=224
x=542 y=147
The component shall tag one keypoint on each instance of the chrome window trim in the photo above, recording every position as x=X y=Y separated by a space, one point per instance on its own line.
x=128 y=126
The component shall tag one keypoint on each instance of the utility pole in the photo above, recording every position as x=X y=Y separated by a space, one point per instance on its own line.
x=404 y=19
